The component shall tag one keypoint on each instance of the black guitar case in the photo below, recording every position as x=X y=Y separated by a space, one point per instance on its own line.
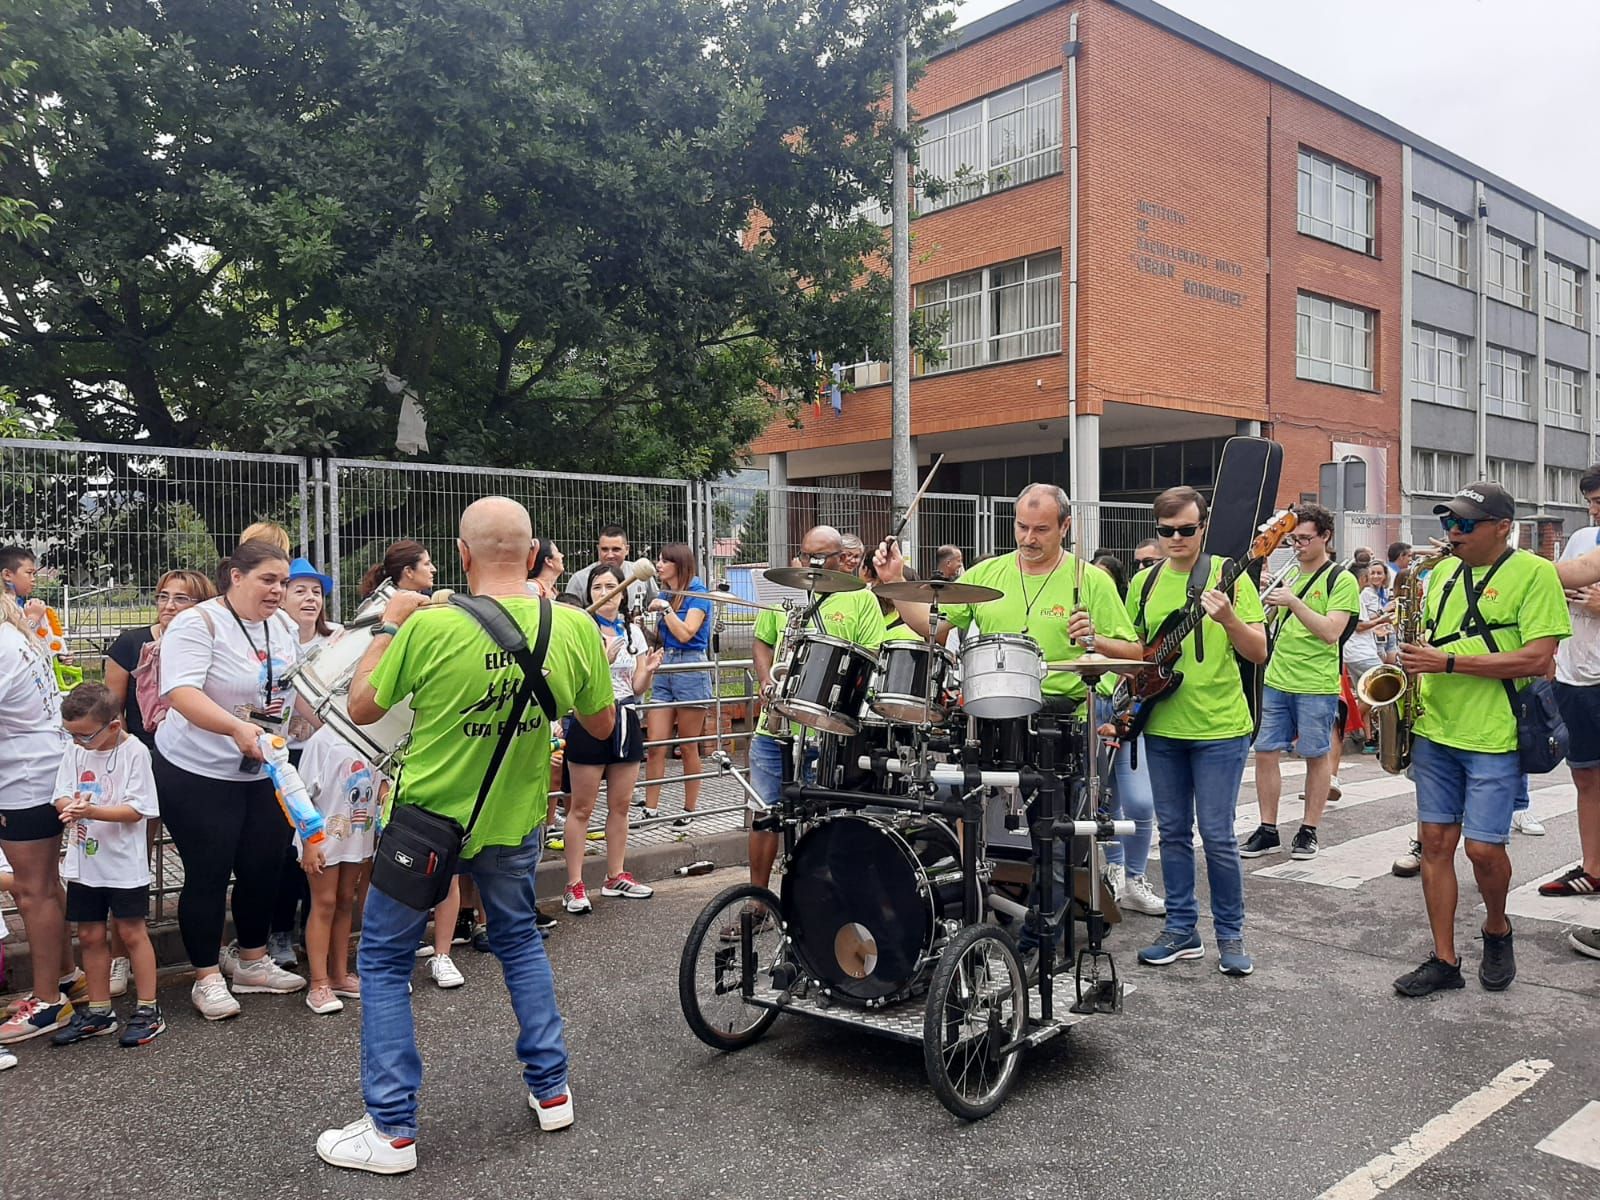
x=1246 y=496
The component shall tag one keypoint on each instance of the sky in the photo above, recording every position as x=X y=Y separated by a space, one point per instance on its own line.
x=1506 y=84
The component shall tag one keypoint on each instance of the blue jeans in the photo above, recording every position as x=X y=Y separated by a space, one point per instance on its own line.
x=391 y=1067
x=1130 y=801
x=1198 y=782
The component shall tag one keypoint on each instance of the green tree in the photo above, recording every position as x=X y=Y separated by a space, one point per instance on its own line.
x=531 y=213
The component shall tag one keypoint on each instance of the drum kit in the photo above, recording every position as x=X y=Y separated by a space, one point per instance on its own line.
x=952 y=803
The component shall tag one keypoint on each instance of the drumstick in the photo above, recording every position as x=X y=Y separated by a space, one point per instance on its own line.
x=915 y=500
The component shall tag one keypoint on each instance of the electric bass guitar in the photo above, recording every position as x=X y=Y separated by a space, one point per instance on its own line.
x=1138 y=694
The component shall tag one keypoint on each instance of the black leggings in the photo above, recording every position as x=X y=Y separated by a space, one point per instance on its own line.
x=222 y=829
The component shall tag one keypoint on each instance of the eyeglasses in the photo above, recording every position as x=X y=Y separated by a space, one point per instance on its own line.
x=181 y=599
x=1458 y=524
x=83 y=739
x=1302 y=539
x=1177 y=531
x=1142 y=563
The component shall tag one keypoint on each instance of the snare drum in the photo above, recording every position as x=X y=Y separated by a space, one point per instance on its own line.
x=324 y=676
x=826 y=684
x=911 y=682
x=1002 y=676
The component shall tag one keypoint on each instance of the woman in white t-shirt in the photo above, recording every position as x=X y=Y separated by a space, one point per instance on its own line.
x=617 y=759
x=31 y=747
x=223 y=665
x=1364 y=649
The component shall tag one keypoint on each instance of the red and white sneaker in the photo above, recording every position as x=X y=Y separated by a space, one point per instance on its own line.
x=1576 y=882
x=360 y=1147
x=626 y=885
x=576 y=898
x=555 y=1113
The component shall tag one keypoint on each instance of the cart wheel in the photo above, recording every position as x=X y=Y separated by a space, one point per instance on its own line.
x=977 y=1005
x=711 y=971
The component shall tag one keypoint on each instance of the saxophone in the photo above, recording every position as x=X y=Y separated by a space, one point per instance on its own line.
x=1390 y=693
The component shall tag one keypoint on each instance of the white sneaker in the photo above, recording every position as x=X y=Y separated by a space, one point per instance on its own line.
x=1334 y=791
x=362 y=1148
x=444 y=972
x=1139 y=896
x=1116 y=880
x=120 y=969
x=7 y=1059
x=1523 y=822
x=557 y=1116
x=212 y=999
x=264 y=975
x=228 y=959
x=322 y=1001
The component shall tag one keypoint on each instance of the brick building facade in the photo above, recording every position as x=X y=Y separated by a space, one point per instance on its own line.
x=1247 y=242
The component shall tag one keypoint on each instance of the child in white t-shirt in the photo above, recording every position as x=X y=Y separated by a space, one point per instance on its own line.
x=105 y=792
x=347 y=792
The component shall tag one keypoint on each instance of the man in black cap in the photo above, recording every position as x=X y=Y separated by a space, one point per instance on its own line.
x=1493 y=616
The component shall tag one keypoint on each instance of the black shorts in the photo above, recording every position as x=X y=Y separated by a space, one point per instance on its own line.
x=625 y=745
x=90 y=904
x=39 y=823
x=1580 y=709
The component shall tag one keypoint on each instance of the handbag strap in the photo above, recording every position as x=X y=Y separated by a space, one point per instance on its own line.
x=507 y=634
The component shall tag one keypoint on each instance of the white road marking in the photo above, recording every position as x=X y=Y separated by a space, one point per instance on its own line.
x=1386 y=1170
x=1525 y=902
x=1350 y=864
x=1577 y=1139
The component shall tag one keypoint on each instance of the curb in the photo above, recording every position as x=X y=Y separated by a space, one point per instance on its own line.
x=648 y=864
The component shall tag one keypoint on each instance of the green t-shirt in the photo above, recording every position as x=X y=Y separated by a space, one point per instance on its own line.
x=896 y=630
x=1523 y=602
x=459 y=682
x=1041 y=606
x=849 y=616
x=1302 y=663
x=1209 y=704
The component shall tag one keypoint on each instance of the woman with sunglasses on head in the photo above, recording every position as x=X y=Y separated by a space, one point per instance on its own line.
x=223 y=668
x=132 y=652
x=685 y=636
x=32 y=744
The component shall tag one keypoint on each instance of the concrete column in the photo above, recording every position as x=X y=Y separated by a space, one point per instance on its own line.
x=777 y=510
x=1247 y=428
x=1086 y=452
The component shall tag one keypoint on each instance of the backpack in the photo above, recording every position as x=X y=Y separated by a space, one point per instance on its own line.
x=153 y=705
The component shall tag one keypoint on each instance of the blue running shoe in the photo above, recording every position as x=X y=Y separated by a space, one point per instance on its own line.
x=1170 y=947
x=1233 y=959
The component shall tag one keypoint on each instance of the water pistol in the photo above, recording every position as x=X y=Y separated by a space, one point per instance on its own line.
x=291 y=790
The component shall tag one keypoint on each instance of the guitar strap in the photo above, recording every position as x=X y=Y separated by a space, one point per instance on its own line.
x=1199 y=576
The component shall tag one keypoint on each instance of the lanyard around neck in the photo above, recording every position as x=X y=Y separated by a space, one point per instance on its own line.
x=264 y=656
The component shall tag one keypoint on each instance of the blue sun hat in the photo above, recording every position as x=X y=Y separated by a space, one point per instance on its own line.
x=301 y=568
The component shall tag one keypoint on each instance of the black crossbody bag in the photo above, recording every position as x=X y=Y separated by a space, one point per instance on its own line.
x=419 y=851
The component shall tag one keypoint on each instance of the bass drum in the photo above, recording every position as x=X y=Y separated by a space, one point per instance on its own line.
x=865 y=899
x=324 y=676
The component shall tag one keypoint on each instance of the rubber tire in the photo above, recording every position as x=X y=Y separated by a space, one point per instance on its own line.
x=933 y=1021
x=707 y=925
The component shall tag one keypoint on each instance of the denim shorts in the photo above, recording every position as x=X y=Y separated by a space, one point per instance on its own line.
x=766 y=771
x=1469 y=788
x=1580 y=709
x=1301 y=723
x=682 y=687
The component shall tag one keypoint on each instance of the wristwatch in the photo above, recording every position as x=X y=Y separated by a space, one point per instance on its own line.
x=1449 y=664
x=389 y=627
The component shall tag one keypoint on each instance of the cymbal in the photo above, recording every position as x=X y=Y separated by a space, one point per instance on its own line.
x=939 y=591
x=724 y=598
x=1099 y=664
x=814 y=579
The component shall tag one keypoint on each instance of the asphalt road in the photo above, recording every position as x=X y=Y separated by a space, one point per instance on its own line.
x=1279 y=1085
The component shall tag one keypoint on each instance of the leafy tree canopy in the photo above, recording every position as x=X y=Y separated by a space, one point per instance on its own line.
x=256 y=226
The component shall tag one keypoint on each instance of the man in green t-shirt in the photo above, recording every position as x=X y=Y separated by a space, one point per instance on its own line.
x=849 y=616
x=1039 y=580
x=1197 y=738
x=1300 y=696
x=461 y=685
x=1464 y=752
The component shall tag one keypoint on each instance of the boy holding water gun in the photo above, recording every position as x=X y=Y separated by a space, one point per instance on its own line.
x=105 y=792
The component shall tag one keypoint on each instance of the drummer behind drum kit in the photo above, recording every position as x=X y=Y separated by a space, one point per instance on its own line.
x=892 y=909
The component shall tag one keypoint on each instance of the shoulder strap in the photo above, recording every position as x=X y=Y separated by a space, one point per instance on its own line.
x=1484 y=629
x=1144 y=596
x=1199 y=577
x=507 y=634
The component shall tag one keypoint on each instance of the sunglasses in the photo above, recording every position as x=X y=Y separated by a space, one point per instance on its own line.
x=1458 y=524
x=1177 y=531
x=1142 y=563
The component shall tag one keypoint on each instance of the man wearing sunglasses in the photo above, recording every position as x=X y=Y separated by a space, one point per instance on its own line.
x=1300 y=699
x=1490 y=614
x=1147 y=554
x=1197 y=738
